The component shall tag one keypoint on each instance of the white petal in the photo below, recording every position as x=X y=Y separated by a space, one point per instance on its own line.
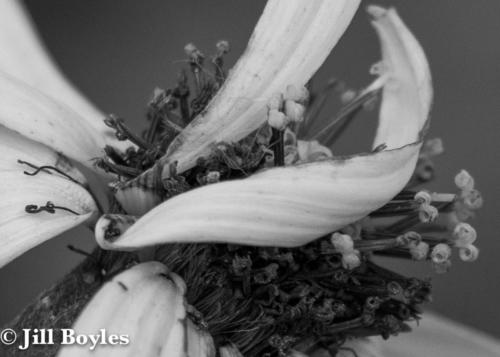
x=21 y=231
x=15 y=147
x=289 y=43
x=286 y=206
x=438 y=336
x=31 y=113
x=291 y=206
x=146 y=303
x=23 y=56
x=407 y=93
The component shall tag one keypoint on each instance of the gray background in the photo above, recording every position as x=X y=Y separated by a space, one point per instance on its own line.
x=118 y=51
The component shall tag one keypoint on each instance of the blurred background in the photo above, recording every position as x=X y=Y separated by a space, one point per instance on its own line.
x=116 y=52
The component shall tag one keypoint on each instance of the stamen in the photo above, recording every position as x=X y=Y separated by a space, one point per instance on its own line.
x=464 y=181
x=469 y=253
x=218 y=61
x=464 y=234
x=441 y=253
x=347 y=112
x=46 y=169
x=49 y=208
x=124 y=133
x=181 y=92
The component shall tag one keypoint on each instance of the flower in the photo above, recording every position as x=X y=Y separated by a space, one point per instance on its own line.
x=44 y=122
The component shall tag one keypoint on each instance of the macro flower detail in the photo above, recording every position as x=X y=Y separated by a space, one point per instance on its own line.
x=146 y=304
x=230 y=227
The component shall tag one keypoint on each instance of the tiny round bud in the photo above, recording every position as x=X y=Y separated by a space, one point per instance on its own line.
x=419 y=251
x=351 y=260
x=472 y=199
x=464 y=181
x=343 y=243
x=410 y=237
x=441 y=253
x=294 y=111
x=277 y=120
x=423 y=197
x=275 y=102
x=296 y=94
x=427 y=213
x=469 y=253
x=464 y=234
x=222 y=46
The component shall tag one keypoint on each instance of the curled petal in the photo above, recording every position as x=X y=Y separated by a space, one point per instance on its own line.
x=407 y=93
x=146 y=304
x=291 y=206
x=289 y=43
x=36 y=116
x=438 y=336
x=286 y=206
x=23 y=56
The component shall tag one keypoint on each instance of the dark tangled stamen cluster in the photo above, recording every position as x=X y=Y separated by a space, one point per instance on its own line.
x=267 y=301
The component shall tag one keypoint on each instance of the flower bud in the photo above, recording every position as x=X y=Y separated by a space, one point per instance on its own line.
x=464 y=234
x=441 y=253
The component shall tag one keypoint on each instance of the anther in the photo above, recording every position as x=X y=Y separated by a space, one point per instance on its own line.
x=419 y=251
x=464 y=181
x=427 y=213
x=469 y=253
x=351 y=260
x=124 y=133
x=472 y=199
x=423 y=197
x=441 y=253
x=464 y=234
x=49 y=208
x=342 y=243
